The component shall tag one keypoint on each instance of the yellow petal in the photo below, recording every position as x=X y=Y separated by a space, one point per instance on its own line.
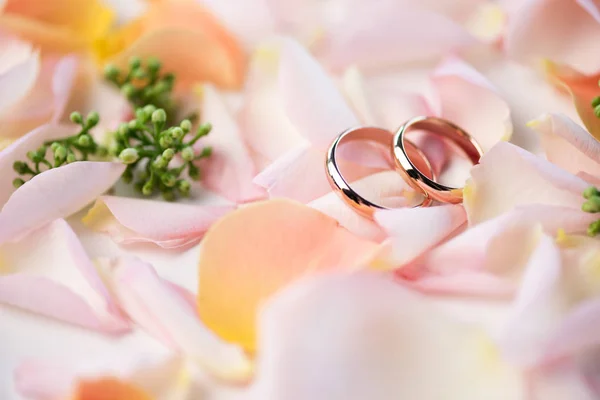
x=253 y=252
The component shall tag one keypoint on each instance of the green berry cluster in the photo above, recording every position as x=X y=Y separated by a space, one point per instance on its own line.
x=64 y=151
x=149 y=148
x=592 y=205
x=143 y=84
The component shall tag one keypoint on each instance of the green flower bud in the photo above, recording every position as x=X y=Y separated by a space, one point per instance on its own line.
x=123 y=129
x=594 y=228
x=160 y=162
x=165 y=141
x=129 y=156
x=188 y=153
x=135 y=62
x=153 y=64
x=592 y=205
x=149 y=110
x=20 y=167
x=193 y=172
x=168 y=195
x=186 y=125
x=592 y=191
x=33 y=156
x=184 y=187
x=139 y=74
x=54 y=146
x=596 y=101
x=60 y=154
x=204 y=129
x=132 y=125
x=597 y=111
x=168 y=154
x=42 y=150
x=128 y=90
x=111 y=72
x=84 y=140
x=206 y=152
x=148 y=188
x=71 y=158
x=168 y=179
x=76 y=117
x=176 y=133
x=92 y=119
x=159 y=116
x=18 y=182
x=160 y=87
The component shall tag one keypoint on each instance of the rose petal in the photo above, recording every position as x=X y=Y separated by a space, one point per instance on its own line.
x=318 y=337
x=19 y=68
x=45 y=198
x=386 y=34
x=567 y=144
x=154 y=305
x=460 y=90
x=230 y=169
x=416 y=230
x=522 y=179
x=545 y=29
x=48 y=272
x=276 y=242
x=265 y=126
x=168 y=30
x=168 y=225
x=311 y=100
x=17 y=151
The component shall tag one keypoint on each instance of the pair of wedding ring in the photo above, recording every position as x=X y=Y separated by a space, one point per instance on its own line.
x=410 y=161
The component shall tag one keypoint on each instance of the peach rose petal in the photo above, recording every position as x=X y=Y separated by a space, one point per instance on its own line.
x=546 y=29
x=230 y=169
x=386 y=34
x=461 y=90
x=328 y=330
x=154 y=304
x=47 y=272
x=277 y=242
x=168 y=30
x=168 y=225
x=567 y=144
x=109 y=388
x=47 y=197
x=523 y=179
x=17 y=151
x=413 y=231
x=61 y=26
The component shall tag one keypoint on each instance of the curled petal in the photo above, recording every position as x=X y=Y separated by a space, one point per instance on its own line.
x=277 y=242
x=17 y=151
x=416 y=230
x=461 y=90
x=168 y=225
x=266 y=128
x=50 y=274
x=160 y=309
x=45 y=198
x=230 y=169
x=386 y=34
x=168 y=30
x=509 y=176
x=380 y=327
x=311 y=100
x=546 y=29
x=567 y=144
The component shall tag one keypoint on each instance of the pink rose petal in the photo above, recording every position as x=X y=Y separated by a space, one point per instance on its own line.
x=509 y=176
x=56 y=193
x=19 y=69
x=230 y=169
x=416 y=230
x=156 y=306
x=169 y=225
x=568 y=145
x=49 y=273
x=546 y=29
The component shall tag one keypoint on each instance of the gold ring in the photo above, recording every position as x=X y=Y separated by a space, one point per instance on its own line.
x=343 y=189
x=411 y=173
